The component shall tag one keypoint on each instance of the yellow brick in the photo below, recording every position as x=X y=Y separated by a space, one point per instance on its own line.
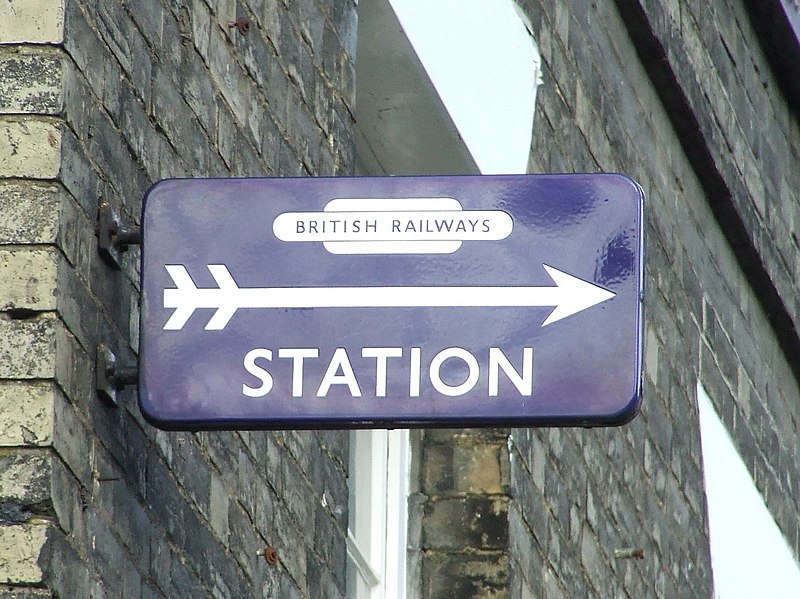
x=28 y=278
x=478 y=469
x=28 y=347
x=30 y=79
x=20 y=547
x=26 y=413
x=33 y=21
x=30 y=147
x=25 y=476
x=31 y=212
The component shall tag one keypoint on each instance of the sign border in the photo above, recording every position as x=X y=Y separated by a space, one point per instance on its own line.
x=621 y=417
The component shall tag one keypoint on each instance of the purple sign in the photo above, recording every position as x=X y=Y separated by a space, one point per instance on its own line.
x=403 y=301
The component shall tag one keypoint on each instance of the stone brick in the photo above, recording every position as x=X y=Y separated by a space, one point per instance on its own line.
x=29 y=147
x=287 y=535
x=66 y=570
x=155 y=89
x=26 y=413
x=30 y=211
x=20 y=547
x=73 y=443
x=24 y=593
x=130 y=119
x=465 y=576
x=28 y=279
x=22 y=338
x=330 y=546
x=30 y=80
x=228 y=76
x=32 y=21
x=321 y=585
x=458 y=523
x=465 y=469
x=24 y=480
x=149 y=17
x=199 y=93
x=218 y=508
x=250 y=545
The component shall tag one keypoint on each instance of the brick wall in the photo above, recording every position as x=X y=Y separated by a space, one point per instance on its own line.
x=98 y=101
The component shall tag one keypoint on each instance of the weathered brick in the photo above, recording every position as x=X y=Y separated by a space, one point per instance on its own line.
x=22 y=338
x=32 y=21
x=28 y=279
x=24 y=593
x=24 y=482
x=465 y=576
x=29 y=147
x=229 y=77
x=26 y=413
x=31 y=212
x=250 y=546
x=218 y=104
x=200 y=94
x=475 y=522
x=20 y=547
x=30 y=80
x=465 y=469
x=218 y=508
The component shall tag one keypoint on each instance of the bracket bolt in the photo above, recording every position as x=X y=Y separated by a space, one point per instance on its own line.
x=628 y=553
x=242 y=25
x=269 y=554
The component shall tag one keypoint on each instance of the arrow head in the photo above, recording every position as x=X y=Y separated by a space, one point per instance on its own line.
x=575 y=295
x=185 y=298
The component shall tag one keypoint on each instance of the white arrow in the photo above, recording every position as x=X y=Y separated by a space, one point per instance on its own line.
x=570 y=295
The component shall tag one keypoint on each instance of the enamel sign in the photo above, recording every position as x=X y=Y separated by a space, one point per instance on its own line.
x=403 y=301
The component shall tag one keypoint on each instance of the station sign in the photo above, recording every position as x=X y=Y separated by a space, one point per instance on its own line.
x=391 y=302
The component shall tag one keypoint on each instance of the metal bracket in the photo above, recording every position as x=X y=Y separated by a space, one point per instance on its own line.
x=112 y=238
x=112 y=376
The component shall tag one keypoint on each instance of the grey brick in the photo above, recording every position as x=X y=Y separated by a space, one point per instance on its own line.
x=149 y=18
x=199 y=93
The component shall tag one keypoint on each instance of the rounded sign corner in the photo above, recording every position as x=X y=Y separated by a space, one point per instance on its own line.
x=161 y=183
x=151 y=414
x=631 y=182
x=628 y=412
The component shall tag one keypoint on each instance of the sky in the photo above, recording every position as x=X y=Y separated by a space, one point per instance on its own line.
x=749 y=555
x=461 y=43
